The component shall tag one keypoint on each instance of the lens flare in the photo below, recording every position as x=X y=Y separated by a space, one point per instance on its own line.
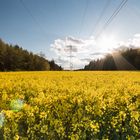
x=107 y=43
x=16 y=105
x=1 y=120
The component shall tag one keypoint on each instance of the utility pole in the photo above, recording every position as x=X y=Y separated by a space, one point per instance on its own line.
x=70 y=55
x=69 y=50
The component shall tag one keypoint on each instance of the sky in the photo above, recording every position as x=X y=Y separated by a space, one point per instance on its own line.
x=51 y=26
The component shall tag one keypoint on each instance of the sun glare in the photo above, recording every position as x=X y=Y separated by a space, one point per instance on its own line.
x=107 y=43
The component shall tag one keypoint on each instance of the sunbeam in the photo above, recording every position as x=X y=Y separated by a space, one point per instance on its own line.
x=121 y=63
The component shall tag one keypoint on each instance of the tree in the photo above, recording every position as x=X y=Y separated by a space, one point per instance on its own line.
x=124 y=59
x=14 y=58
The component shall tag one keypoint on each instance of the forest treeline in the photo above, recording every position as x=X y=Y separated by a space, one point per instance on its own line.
x=123 y=59
x=15 y=58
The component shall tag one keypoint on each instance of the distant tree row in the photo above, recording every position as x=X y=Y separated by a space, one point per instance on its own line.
x=124 y=59
x=54 y=66
x=15 y=58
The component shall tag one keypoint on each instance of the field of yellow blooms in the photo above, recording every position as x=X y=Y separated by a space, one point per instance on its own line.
x=70 y=105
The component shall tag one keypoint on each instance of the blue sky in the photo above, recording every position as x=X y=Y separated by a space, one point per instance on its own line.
x=37 y=24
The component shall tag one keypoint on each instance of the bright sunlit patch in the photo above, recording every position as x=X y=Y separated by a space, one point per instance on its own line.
x=107 y=43
x=1 y=120
x=16 y=105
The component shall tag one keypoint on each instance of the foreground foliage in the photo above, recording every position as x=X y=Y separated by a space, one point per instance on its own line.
x=69 y=105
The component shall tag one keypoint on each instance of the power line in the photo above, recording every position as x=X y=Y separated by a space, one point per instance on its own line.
x=84 y=15
x=100 y=17
x=115 y=13
x=33 y=17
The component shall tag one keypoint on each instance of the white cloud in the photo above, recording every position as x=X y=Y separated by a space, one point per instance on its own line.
x=80 y=49
x=137 y=35
x=85 y=50
x=62 y=46
x=132 y=42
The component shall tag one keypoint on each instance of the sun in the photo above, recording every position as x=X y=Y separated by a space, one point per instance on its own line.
x=107 y=43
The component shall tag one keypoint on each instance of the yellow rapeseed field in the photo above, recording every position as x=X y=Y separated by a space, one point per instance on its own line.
x=70 y=105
